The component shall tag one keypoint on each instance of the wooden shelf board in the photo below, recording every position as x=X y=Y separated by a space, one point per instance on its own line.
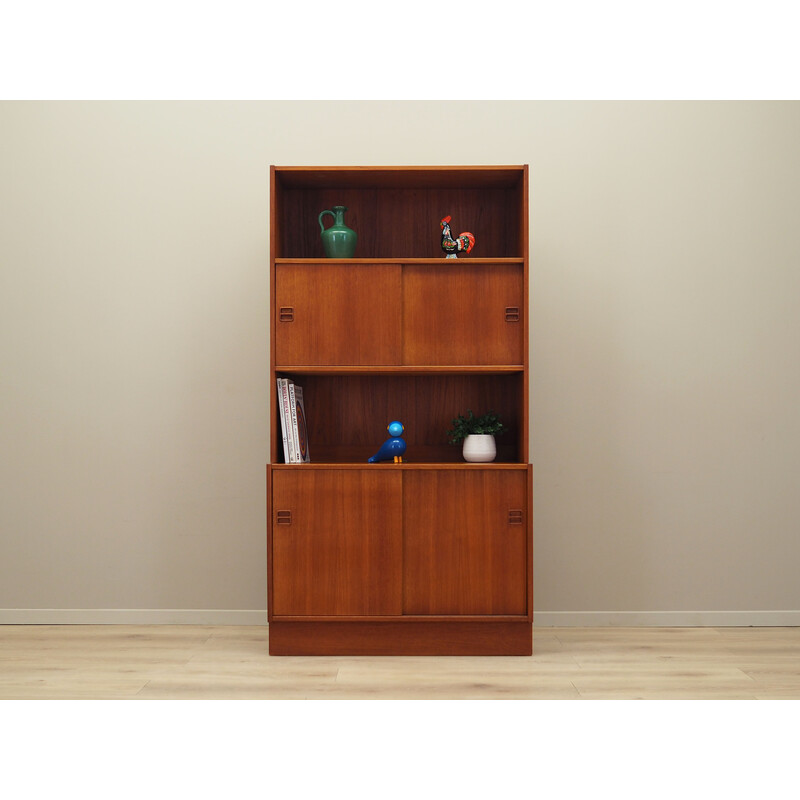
x=439 y=260
x=493 y=465
x=417 y=177
x=482 y=369
x=404 y=618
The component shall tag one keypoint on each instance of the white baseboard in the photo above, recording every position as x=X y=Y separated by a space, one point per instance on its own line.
x=665 y=619
x=131 y=616
x=541 y=619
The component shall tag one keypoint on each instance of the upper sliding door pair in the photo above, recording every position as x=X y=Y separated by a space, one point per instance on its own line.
x=453 y=313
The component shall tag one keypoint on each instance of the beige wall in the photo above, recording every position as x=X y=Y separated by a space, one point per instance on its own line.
x=133 y=349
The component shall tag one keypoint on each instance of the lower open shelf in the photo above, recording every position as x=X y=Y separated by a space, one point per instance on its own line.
x=347 y=415
x=406 y=637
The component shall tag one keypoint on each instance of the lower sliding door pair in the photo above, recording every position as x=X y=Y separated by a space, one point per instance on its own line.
x=383 y=541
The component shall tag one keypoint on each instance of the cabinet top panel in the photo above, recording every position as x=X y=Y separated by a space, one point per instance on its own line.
x=433 y=177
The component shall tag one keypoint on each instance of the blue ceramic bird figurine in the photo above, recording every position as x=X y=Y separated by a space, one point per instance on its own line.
x=392 y=448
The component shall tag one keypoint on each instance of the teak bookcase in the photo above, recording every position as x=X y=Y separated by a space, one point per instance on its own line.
x=432 y=556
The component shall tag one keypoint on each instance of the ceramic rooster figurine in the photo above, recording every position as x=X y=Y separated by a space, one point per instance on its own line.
x=464 y=241
x=393 y=448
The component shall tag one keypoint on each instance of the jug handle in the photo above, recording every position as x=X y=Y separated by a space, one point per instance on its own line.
x=322 y=227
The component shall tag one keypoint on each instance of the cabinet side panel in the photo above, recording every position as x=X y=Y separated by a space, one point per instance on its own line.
x=530 y=540
x=527 y=327
x=269 y=542
x=274 y=423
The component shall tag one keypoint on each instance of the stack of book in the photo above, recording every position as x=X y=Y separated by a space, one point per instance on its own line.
x=293 y=422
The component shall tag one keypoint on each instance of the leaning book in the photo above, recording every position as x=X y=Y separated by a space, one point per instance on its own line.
x=300 y=430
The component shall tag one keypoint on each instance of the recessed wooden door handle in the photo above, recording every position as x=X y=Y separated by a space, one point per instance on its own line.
x=286 y=314
x=515 y=517
x=283 y=517
x=512 y=313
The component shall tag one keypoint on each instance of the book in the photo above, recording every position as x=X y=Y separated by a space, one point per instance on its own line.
x=287 y=410
x=284 y=426
x=293 y=426
x=301 y=431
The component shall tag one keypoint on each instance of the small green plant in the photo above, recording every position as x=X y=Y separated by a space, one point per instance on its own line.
x=465 y=426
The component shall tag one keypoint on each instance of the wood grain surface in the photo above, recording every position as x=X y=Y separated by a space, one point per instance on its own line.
x=231 y=662
x=387 y=638
x=342 y=314
x=455 y=313
x=342 y=551
x=461 y=555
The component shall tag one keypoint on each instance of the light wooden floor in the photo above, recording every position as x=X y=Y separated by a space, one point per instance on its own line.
x=199 y=662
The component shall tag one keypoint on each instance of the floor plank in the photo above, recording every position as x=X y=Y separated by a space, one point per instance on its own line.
x=233 y=662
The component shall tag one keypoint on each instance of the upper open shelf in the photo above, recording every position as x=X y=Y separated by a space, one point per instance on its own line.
x=396 y=211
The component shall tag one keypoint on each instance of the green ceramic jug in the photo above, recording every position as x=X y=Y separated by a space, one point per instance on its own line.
x=338 y=241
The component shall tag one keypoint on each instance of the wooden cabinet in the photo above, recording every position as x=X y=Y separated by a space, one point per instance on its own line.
x=433 y=555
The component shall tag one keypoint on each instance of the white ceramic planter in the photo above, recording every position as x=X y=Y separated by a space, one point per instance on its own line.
x=479 y=448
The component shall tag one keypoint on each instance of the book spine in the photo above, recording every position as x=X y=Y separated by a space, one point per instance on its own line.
x=295 y=438
x=287 y=385
x=284 y=427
